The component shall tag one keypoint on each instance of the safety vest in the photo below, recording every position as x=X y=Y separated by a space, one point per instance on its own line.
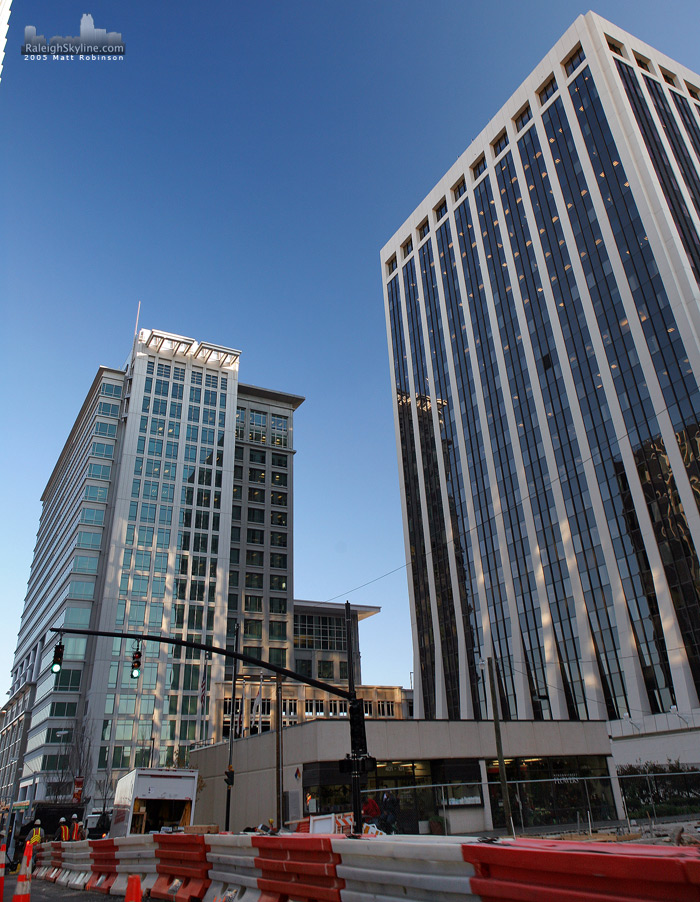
x=34 y=836
x=74 y=831
x=64 y=833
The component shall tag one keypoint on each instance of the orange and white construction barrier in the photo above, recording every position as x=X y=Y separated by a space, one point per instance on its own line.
x=23 y=890
x=2 y=871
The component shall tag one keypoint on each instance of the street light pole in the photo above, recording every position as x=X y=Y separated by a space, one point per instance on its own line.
x=499 y=750
x=279 y=764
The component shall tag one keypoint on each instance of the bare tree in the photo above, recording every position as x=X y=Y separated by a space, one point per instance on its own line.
x=74 y=759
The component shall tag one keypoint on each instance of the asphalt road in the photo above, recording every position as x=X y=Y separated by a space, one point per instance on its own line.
x=43 y=891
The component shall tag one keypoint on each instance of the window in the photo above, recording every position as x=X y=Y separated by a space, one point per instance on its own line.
x=100 y=449
x=407 y=248
x=278 y=656
x=278 y=605
x=669 y=78
x=253 y=651
x=99 y=471
x=107 y=429
x=84 y=564
x=523 y=118
x=240 y=426
x=255 y=475
x=278 y=583
x=459 y=189
x=258 y=427
x=548 y=90
x=278 y=539
x=326 y=670
x=423 y=230
x=320 y=632
x=694 y=93
x=441 y=210
x=279 y=430
x=256 y=495
x=391 y=265
x=385 y=709
x=252 y=629
x=254 y=580
x=96 y=493
x=642 y=63
x=479 y=167
x=301 y=665
x=92 y=516
x=256 y=515
x=255 y=558
x=278 y=478
x=111 y=391
x=278 y=518
x=278 y=629
x=89 y=540
x=107 y=410
x=278 y=561
x=368 y=707
x=278 y=498
x=575 y=60
x=500 y=143
x=81 y=590
x=148 y=513
x=253 y=603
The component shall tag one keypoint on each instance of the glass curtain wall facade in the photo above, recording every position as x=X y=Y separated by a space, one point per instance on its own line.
x=542 y=313
x=140 y=532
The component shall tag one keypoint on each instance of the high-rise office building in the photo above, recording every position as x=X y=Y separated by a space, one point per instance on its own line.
x=169 y=511
x=542 y=314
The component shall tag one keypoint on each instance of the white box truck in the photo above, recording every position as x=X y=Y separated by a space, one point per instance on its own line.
x=154 y=798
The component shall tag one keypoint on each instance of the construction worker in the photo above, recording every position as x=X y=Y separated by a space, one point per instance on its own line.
x=61 y=834
x=75 y=829
x=36 y=834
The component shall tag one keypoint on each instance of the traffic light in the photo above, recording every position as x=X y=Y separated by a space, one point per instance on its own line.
x=57 y=657
x=136 y=664
x=358 y=739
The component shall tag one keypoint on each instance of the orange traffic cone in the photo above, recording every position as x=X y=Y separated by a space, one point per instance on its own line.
x=2 y=871
x=23 y=890
x=133 y=889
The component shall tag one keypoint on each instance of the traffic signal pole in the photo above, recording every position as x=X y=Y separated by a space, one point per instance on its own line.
x=230 y=773
x=358 y=738
x=357 y=762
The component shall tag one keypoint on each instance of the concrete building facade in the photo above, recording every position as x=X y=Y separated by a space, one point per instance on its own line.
x=542 y=315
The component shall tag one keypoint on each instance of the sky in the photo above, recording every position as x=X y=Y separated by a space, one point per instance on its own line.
x=238 y=174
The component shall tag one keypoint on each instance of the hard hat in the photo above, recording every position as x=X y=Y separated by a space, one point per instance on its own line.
x=62 y=821
x=37 y=823
x=80 y=823
x=75 y=817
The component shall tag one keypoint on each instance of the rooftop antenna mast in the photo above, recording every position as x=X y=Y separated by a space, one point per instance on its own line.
x=136 y=331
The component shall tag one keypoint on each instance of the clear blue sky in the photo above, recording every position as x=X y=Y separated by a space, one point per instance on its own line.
x=238 y=174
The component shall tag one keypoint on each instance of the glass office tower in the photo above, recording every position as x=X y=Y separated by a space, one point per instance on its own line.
x=542 y=315
x=142 y=531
